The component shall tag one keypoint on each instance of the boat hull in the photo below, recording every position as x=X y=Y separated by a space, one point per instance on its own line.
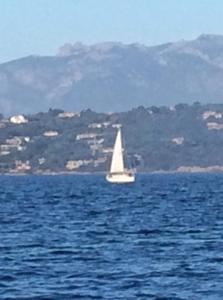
x=120 y=178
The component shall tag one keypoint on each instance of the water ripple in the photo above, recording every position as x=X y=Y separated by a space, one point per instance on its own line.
x=77 y=237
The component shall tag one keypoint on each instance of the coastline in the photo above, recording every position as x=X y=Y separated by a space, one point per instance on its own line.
x=180 y=170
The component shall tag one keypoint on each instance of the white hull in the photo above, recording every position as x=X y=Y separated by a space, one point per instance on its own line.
x=120 y=178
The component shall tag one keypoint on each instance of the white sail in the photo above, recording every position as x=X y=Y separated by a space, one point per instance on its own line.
x=117 y=164
x=118 y=174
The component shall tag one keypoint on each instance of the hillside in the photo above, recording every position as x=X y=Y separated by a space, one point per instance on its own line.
x=115 y=77
x=180 y=138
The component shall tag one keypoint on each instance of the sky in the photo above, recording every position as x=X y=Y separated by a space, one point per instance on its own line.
x=40 y=27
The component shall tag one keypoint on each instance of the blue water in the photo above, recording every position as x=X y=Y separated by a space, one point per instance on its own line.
x=78 y=237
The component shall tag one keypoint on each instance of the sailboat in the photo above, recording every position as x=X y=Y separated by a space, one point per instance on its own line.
x=117 y=173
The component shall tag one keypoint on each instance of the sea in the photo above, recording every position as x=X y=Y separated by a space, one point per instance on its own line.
x=79 y=237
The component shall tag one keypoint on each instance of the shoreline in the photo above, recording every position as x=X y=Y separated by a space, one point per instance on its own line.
x=194 y=171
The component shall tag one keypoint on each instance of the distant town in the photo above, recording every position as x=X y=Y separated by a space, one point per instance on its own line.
x=180 y=138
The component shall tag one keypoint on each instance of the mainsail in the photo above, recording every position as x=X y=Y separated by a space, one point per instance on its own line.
x=117 y=172
x=117 y=164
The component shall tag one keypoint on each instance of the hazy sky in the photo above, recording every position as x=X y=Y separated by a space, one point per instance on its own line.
x=41 y=26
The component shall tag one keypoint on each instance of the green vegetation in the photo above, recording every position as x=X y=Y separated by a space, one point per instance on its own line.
x=156 y=138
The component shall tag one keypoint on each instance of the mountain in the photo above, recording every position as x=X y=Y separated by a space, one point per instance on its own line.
x=110 y=77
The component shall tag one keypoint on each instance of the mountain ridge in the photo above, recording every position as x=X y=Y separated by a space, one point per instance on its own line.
x=113 y=76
